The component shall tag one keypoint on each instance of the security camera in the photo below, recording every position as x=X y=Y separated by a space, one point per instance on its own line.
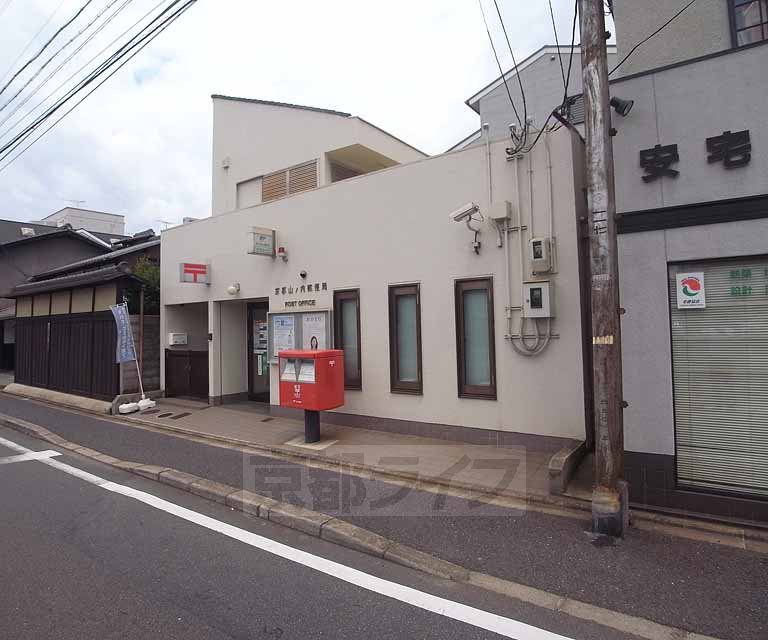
x=465 y=212
x=303 y=273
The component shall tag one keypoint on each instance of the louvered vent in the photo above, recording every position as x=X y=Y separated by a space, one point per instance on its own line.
x=303 y=177
x=274 y=186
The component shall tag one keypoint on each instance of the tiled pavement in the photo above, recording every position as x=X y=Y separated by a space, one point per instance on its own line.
x=499 y=469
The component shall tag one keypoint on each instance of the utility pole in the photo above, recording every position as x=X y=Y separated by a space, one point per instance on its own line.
x=609 y=502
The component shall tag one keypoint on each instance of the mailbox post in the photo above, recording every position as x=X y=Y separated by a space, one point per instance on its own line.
x=312 y=381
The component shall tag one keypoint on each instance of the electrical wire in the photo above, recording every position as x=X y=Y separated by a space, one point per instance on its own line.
x=573 y=46
x=517 y=73
x=557 y=44
x=498 y=63
x=34 y=37
x=647 y=38
x=51 y=58
x=138 y=45
x=88 y=79
x=48 y=78
x=45 y=46
x=77 y=71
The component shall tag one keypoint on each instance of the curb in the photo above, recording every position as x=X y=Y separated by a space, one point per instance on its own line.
x=682 y=526
x=353 y=537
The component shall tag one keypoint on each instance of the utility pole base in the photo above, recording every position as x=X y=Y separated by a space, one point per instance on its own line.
x=610 y=511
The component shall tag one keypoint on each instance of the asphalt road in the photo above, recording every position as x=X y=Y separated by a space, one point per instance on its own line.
x=697 y=586
x=80 y=561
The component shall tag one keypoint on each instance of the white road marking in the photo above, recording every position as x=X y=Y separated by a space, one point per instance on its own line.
x=32 y=455
x=435 y=604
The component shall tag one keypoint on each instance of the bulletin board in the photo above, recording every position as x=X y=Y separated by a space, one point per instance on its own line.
x=299 y=330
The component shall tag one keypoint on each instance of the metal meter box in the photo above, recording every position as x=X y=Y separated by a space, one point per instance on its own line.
x=312 y=380
x=540 y=255
x=177 y=339
x=538 y=300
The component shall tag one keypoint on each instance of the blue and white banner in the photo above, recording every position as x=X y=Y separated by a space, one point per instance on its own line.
x=125 y=348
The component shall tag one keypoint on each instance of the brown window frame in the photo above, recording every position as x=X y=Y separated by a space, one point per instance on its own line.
x=354 y=382
x=482 y=392
x=395 y=384
x=763 y=24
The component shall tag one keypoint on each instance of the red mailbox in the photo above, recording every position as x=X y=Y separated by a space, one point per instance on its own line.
x=312 y=380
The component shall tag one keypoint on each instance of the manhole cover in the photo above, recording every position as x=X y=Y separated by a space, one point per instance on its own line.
x=267 y=419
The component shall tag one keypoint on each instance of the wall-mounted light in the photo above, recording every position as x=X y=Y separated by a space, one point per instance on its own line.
x=621 y=106
x=233 y=289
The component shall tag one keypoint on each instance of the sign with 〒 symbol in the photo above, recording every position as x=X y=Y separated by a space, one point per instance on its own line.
x=690 y=290
x=195 y=273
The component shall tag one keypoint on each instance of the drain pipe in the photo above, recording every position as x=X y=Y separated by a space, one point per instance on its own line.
x=551 y=196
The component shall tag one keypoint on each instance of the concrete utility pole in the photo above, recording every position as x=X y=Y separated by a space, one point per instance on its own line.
x=609 y=502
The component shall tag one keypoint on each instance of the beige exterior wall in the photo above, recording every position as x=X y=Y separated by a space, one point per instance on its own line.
x=60 y=302
x=702 y=29
x=256 y=139
x=391 y=227
x=105 y=296
x=41 y=304
x=24 y=307
x=82 y=300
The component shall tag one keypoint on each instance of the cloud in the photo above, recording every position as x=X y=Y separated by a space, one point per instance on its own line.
x=141 y=144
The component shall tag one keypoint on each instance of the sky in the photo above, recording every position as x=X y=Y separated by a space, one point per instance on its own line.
x=141 y=144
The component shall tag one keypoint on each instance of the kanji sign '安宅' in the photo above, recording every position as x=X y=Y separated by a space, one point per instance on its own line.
x=195 y=273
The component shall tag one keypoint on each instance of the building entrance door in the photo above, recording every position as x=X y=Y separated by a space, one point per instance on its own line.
x=258 y=357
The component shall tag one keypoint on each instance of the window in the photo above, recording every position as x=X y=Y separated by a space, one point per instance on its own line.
x=475 y=347
x=749 y=21
x=346 y=315
x=405 y=339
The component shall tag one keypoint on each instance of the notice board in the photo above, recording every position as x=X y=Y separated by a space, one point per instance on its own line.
x=299 y=330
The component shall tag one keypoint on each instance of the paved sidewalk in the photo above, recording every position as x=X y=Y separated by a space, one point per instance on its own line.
x=691 y=584
x=501 y=470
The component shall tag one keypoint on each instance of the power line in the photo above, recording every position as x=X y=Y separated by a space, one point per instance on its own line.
x=646 y=39
x=34 y=37
x=77 y=71
x=517 y=73
x=88 y=79
x=498 y=63
x=557 y=44
x=64 y=46
x=45 y=46
x=573 y=46
x=147 y=39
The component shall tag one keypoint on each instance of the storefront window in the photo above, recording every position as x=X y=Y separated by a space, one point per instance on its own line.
x=474 y=338
x=405 y=339
x=346 y=311
x=719 y=328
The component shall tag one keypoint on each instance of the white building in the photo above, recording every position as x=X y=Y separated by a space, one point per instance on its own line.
x=430 y=326
x=98 y=221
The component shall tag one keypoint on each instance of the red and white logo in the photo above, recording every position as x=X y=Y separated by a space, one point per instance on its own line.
x=195 y=273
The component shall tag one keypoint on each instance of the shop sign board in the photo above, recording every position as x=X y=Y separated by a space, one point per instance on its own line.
x=690 y=290
x=263 y=242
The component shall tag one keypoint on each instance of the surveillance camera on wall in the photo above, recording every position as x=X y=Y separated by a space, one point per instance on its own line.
x=465 y=212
